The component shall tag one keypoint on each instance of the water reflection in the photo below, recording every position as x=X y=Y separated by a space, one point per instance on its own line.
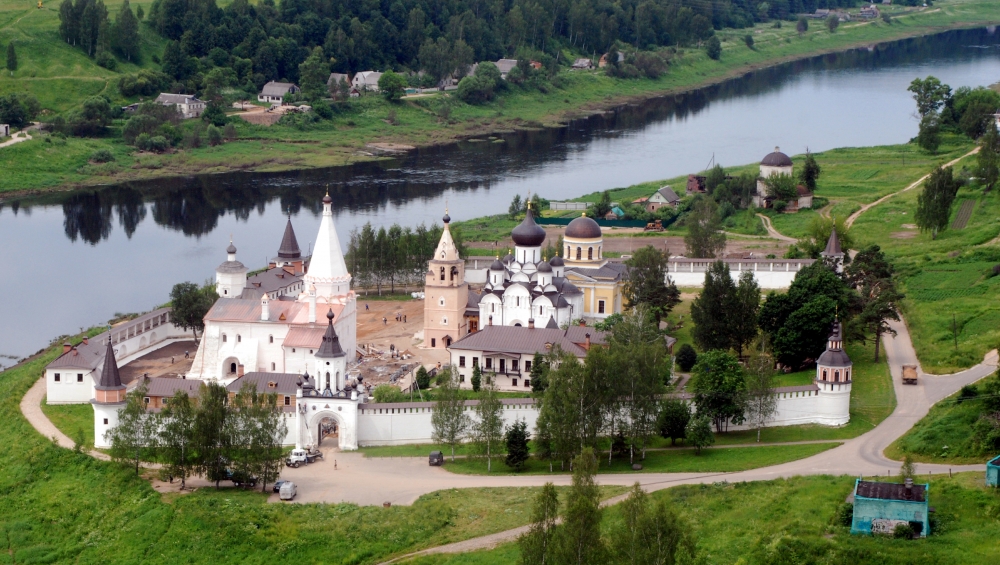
x=193 y=205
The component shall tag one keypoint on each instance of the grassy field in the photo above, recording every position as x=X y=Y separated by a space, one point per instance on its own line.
x=61 y=77
x=943 y=435
x=61 y=506
x=74 y=420
x=714 y=460
x=793 y=521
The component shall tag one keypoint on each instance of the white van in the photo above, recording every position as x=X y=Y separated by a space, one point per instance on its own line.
x=287 y=491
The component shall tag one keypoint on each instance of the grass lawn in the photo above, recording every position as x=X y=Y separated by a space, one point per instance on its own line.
x=714 y=460
x=944 y=434
x=61 y=506
x=793 y=521
x=61 y=76
x=74 y=420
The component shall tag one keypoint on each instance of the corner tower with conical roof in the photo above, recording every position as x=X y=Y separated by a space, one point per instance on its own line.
x=109 y=396
x=833 y=377
x=833 y=253
x=446 y=293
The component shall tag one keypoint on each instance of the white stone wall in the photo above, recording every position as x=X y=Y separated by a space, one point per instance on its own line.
x=398 y=424
x=769 y=274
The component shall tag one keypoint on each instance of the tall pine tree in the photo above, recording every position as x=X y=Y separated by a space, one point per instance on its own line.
x=125 y=39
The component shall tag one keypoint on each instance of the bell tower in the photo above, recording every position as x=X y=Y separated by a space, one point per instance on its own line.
x=445 y=293
x=834 y=377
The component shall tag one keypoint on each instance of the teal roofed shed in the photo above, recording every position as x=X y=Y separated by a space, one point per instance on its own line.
x=993 y=472
x=880 y=507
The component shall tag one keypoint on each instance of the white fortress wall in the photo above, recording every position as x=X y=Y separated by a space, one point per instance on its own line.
x=410 y=422
x=769 y=273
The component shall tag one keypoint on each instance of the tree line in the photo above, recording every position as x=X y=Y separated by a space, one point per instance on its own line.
x=211 y=434
x=85 y=24
x=968 y=111
x=395 y=256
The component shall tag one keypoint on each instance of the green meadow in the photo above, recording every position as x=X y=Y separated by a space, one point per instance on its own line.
x=794 y=521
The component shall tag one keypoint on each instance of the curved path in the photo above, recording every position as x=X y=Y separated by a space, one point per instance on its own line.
x=850 y=219
x=773 y=232
x=351 y=477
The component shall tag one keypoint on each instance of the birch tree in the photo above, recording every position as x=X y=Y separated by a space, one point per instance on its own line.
x=537 y=543
x=133 y=437
x=488 y=428
x=176 y=442
x=449 y=419
x=761 y=403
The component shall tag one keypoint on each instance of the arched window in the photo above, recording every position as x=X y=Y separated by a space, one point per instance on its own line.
x=579 y=253
x=270 y=339
x=590 y=253
x=223 y=338
x=824 y=374
x=232 y=367
x=239 y=338
x=272 y=366
x=836 y=376
x=442 y=273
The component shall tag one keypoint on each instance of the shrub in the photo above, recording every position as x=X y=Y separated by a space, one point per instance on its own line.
x=214 y=114
x=686 y=357
x=832 y=23
x=802 y=25
x=423 y=378
x=323 y=109
x=144 y=83
x=886 y=18
x=158 y=144
x=968 y=392
x=777 y=25
x=903 y=531
x=387 y=393
x=106 y=60
x=780 y=205
x=713 y=48
x=845 y=514
x=214 y=135
x=102 y=156
x=748 y=39
x=192 y=138
x=229 y=132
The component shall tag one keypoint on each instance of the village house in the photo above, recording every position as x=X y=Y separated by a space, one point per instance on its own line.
x=615 y=213
x=276 y=92
x=187 y=105
x=505 y=353
x=696 y=184
x=505 y=66
x=880 y=507
x=869 y=12
x=665 y=196
x=603 y=62
x=583 y=64
x=366 y=81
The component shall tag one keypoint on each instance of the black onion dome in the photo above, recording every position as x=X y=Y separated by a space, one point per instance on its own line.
x=231 y=248
x=497 y=266
x=557 y=262
x=528 y=233
x=583 y=228
x=544 y=267
x=327 y=199
x=776 y=159
x=446 y=219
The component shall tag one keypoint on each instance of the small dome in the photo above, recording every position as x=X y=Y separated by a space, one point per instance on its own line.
x=776 y=159
x=446 y=219
x=329 y=315
x=557 y=262
x=327 y=199
x=508 y=259
x=496 y=266
x=544 y=267
x=834 y=358
x=231 y=248
x=583 y=228
x=528 y=233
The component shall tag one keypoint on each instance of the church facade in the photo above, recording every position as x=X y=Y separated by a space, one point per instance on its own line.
x=272 y=326
x=524 y=287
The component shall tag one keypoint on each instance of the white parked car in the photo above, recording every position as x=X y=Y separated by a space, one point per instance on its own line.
x=288 y=491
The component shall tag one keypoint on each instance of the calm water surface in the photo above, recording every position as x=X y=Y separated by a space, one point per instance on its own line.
x=73 y=260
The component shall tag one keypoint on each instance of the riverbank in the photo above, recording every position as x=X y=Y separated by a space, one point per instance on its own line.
x=56 y=164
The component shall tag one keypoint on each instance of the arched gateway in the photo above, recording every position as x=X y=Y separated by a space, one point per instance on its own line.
x=312 y=413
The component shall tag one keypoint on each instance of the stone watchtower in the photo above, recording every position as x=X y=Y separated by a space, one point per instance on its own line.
x=109 y=397
x=833 y=377
x=446 y=293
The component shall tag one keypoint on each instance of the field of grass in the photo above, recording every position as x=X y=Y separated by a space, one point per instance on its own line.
x=793 y=521
x=61 y=77
x=943 y=435
x=61 y=506
x=74 y=420
x=714 y=460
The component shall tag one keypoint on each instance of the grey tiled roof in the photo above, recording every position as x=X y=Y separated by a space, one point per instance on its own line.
x=512 y=339
x=168 y=387
x=892 y=491
x=608 y=271
x=278 y=88
x=271 y=280
x=166 y=99
x=284 y=383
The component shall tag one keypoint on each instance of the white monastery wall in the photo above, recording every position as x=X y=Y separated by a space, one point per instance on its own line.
x=410 y=422
x=769 y=274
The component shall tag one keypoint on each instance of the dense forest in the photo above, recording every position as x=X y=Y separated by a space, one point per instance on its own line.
x=269 y=41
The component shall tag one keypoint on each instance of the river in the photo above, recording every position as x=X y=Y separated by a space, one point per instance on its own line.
x=75 y=259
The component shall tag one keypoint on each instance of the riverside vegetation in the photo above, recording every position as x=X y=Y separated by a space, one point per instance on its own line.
x=62 y=77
